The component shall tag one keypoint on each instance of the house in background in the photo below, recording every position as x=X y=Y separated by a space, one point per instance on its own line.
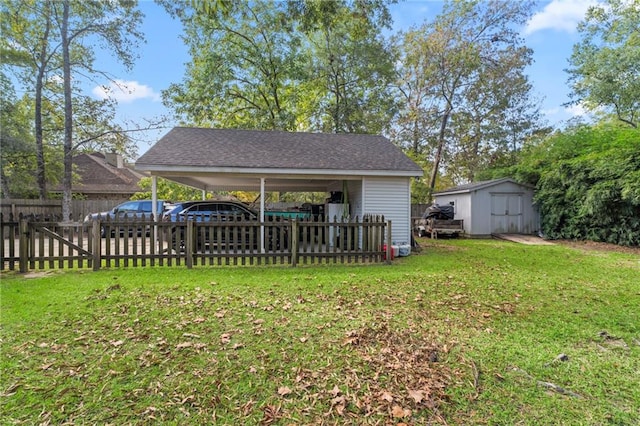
x=362 y=174
x=104 y=177
x=499 y=206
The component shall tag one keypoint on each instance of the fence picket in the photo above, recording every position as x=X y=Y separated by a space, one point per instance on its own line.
x=41 y=243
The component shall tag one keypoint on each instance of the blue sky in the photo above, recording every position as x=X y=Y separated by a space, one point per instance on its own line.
x=551 y=33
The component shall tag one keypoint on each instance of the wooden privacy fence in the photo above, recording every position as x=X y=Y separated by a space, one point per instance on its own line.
x=30 y=243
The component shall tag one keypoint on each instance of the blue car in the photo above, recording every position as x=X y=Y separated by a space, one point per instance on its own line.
x=129 y=210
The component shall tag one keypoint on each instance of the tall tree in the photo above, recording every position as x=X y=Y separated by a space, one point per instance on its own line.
x=244 y=68
x=349 y=64
x=16 y=141
x=461 y=75
x=497 y=117
x=27 y=25
x=51 y=47
x=605 y=65
x=78 y=22
x=297 y=65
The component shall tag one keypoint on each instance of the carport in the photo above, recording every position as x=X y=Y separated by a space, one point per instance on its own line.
x=372 y=173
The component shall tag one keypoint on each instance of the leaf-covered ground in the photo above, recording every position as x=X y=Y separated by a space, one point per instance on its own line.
x=463 y=333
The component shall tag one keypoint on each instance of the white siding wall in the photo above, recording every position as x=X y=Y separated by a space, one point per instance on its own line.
x=482 y=208
x=461 y=208
x=390 y=197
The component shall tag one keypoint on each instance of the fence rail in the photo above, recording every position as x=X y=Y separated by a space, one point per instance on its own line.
x=30 y=243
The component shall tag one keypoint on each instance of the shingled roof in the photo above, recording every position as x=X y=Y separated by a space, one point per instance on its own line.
x=474 y=186
x=231 y=149
x=100 y=179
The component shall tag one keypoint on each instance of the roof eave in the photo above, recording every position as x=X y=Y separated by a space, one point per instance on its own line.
x=159 y=169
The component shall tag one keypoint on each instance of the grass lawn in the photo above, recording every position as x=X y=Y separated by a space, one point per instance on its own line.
x=465 y=332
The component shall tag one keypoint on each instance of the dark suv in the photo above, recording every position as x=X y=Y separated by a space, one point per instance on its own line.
x=245 y=235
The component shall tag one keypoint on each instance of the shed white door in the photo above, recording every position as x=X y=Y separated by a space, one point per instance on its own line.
x=506 y=213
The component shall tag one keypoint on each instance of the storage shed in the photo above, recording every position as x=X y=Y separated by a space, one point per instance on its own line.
x=500 y=206
x=372 y=174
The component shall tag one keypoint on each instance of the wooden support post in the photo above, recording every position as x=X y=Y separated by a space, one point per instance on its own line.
x=24 y=244
x=389 y=248
x=293 y=238
x=189 y=243
x=96 y=245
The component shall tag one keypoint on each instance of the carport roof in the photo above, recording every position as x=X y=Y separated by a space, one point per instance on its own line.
x=209 y=158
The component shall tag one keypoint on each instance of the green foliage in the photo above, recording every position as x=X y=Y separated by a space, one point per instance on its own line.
x=588 y=185
x=465 y=98
x=18 y=148
x=588 y=182
x=605 y=64
x=295 y=66
x=46 y=38
x=166 y=190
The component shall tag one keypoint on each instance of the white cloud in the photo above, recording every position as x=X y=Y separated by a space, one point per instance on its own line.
x=56 y=79
x=551 y=111
x=576 y=110
x=559 y=15
x=126 y=91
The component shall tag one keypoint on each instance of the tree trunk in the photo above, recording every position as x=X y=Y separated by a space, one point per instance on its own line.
x=42 y=62
x=68 y=114
x=438 y=157
x=6 y=193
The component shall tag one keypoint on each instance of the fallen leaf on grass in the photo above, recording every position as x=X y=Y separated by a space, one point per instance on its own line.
x=225 y=338
x=416 y=395
x=339 y=404
x=184 y=345
x=338 y=400
x=248 y=407
x=335 y=391
x=386 y=396
x=284 y=391
x=398 y=412
x=271 y=414
x=11 y=390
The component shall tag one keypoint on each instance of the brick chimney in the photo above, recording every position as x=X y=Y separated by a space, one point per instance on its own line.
x=114 y=159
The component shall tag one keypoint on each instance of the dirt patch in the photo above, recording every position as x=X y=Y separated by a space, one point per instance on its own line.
x=596 y=246
x=531 y=240
x=38 y=274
